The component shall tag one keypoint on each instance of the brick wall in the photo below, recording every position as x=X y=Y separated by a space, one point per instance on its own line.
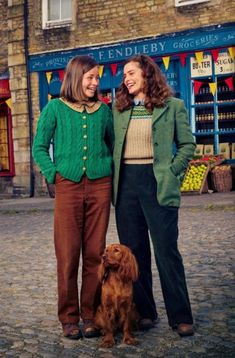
x=99 y=22
x=18 y=87
x=3 y=36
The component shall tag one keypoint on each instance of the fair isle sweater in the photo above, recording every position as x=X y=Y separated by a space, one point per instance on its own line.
x=138 y=148
x=82 y=141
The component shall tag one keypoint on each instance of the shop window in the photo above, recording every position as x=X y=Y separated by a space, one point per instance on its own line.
x=6 y=145
x=56 y=13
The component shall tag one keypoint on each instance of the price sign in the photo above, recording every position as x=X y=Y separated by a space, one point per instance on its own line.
x=224 y=64
x=201 y=69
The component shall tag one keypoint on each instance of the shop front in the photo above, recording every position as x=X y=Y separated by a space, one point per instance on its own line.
x=199 y=65
x=6 y=144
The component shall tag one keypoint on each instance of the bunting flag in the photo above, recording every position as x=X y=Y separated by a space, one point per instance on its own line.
x=215 y=54
x=213 y=87
x=231 y=51
x=101 y=70
x=113 y=68
x=229 y=83
x=49 y=75
x=166 y=61
x=9 y=103
x=199 y=56
x=61 y=75
x=197 y=86
x=183 y=59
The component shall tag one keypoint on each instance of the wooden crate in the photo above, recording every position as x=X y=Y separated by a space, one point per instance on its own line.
x=190 y=176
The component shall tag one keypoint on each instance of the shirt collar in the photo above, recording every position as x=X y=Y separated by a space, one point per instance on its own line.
x=90 y=107
x=138 y=102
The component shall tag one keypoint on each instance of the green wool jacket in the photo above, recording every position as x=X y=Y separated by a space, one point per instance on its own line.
x=82 y=142
x=173 y=147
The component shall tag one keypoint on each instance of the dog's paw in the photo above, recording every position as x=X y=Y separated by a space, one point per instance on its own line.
x=130 y=341
x=107 y=343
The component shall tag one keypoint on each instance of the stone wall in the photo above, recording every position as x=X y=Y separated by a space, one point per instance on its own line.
x=3 y=36
x=98 y=22
x=18 y=87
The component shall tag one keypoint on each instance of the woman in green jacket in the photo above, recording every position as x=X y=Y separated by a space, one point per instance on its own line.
x=153 y=144
x=82 y=131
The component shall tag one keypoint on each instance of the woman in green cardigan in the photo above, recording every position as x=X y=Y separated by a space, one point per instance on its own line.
x=153 y=144
x=82 y=131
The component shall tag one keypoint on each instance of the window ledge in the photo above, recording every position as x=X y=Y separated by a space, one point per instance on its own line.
x=57 y=24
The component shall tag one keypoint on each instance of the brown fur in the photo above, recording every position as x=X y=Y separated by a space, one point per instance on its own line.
x=117 y=272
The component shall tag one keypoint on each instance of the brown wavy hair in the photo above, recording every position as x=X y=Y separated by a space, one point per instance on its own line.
x=71 y=88
x=156 y=88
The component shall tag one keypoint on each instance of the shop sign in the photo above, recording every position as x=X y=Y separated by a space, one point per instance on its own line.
x=224 y=64
x=4 y=88
x=202 y=69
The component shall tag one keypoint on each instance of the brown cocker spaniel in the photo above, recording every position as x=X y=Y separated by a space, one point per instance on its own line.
x=117 y=272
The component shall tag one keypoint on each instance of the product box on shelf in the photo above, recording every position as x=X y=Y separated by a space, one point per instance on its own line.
x=224 y=149
x=208 y=149
x=199 y=149
x=233 y=151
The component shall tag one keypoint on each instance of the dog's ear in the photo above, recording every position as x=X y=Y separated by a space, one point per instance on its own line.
x=128 y=269
x=101 y=271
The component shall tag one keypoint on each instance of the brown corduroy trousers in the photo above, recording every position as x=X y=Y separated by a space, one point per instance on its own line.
x=80 y=224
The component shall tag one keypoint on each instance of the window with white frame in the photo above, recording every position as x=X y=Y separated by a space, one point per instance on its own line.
x=56 y=13
x=188 y=2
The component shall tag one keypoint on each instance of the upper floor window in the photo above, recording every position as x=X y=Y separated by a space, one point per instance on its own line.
x=56 y=13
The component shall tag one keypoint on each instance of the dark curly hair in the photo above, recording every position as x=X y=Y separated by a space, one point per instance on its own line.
x=156 y=88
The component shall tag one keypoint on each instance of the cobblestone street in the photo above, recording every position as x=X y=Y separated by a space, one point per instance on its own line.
x=28 y=296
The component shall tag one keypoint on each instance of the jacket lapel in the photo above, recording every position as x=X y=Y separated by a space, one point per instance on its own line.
x=124 y=121
x=158 y=112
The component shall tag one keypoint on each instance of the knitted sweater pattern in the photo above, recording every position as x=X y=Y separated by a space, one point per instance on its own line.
x=138 y=148
x=82 y=142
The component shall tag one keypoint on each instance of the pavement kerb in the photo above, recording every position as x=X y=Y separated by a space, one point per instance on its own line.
x=215 y=201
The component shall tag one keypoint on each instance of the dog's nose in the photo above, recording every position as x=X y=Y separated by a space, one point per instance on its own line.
x=104 y=257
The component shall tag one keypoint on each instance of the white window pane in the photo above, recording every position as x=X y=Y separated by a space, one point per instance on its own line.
x=66 y=9
x=53 y=10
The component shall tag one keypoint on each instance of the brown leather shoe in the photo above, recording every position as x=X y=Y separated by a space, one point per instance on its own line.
x=185 y=329
x=71 y=330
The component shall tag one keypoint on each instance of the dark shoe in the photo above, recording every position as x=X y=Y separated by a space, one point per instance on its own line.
x=146 y=323
x=89 y=329
x=185 y=329
x=71 y=330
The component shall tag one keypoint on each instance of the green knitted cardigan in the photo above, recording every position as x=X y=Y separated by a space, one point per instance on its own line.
x=82 y=142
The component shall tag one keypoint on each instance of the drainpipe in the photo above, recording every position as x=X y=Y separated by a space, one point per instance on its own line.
x=26 y=49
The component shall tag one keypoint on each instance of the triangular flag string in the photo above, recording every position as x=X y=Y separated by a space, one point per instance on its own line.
x=197 y=86
x=213 y=87
x=183 y=59
x=9 y=103
x=231 y=51
x=166 y=61
x=229 y=83
x=215 y=54
x=199 y=56
x=48 y=76
x=113 y=68
x=101 y=69
x=61 y=75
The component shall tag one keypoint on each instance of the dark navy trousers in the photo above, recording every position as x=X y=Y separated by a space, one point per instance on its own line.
x=138 y=213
